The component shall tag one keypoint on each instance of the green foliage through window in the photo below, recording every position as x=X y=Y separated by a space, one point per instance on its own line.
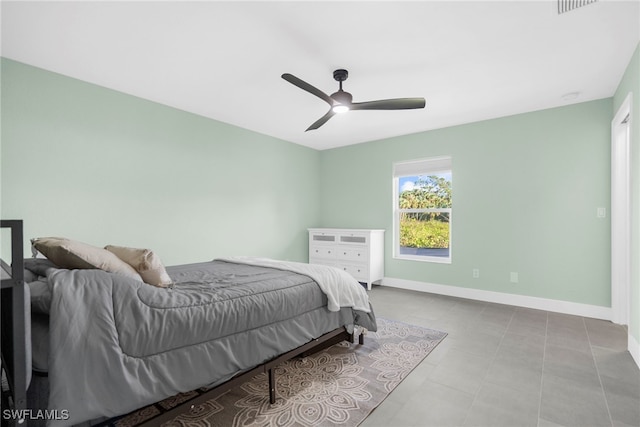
x=429 y=192
x=426 y=229
x=415 y=233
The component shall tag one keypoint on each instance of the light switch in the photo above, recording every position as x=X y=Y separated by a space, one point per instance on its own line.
x=601 y=212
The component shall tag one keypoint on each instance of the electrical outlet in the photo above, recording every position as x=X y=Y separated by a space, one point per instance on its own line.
x=513 y=277
x=476 y=273
x=601 y=212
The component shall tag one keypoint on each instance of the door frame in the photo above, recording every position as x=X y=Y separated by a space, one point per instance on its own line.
x=621 y=213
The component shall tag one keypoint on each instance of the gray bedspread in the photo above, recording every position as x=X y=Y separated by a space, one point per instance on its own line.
x=117 y=344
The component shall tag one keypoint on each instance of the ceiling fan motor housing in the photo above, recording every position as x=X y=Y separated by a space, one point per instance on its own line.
x=342 y=97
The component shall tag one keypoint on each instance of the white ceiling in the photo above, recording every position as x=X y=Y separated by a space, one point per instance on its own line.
x=471 y=60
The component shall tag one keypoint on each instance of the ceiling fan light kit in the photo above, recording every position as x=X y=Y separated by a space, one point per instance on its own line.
x=341 y=101
x=339 y=109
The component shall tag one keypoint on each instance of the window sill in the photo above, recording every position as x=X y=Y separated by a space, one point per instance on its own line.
x=438 y=260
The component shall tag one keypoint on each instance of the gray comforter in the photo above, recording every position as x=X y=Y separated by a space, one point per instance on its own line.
x=117 y=344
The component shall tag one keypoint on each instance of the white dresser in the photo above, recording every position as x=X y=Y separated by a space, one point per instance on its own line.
x=357 y=251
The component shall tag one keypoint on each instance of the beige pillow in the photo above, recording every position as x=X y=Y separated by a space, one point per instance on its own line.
x=71 y=254
x=145 y=262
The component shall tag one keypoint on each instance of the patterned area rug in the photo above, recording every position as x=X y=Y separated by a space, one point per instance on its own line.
x=337 y=386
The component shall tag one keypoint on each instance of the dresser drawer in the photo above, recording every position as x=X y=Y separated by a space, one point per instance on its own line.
x=353 y=239
x=349 y=254
x=359 y=272
x=323 y=238
x=322 y=251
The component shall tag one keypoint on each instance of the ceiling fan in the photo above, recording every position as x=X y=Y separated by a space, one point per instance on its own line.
x=341 y=101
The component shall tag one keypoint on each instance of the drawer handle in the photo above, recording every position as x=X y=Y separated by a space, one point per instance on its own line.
x=358 y=254
x=344 y=268
x=345 y=253
x=316 y=251
x=329 y=252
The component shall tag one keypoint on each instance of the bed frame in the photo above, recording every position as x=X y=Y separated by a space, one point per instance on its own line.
x=313 y=346
x=13 y=322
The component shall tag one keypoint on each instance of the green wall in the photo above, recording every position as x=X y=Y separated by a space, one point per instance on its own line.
x=103 y=167
x=525 y=193
x=631 y=83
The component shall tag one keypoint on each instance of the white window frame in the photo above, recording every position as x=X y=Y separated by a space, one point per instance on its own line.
x=419 y=167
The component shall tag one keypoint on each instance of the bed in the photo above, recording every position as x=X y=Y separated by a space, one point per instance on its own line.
x=111 y=343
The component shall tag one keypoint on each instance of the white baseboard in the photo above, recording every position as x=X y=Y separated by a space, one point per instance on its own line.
x=566 y=307
x=634 y=349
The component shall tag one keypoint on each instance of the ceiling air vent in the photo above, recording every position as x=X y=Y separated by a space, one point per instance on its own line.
x=568 y=5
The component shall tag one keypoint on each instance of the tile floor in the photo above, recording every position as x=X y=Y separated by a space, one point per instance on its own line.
x=509 y=366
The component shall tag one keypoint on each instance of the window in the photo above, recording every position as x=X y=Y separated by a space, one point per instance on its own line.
x=422 y=209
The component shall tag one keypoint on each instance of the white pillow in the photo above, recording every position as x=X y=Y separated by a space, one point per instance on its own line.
x=145 y=262
x=71 y=254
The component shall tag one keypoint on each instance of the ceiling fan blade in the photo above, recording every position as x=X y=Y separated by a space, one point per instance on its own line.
x=309 y=88
x=322 y=120
x=390 y=104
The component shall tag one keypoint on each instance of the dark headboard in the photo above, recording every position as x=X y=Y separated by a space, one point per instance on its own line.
x=13 y=318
